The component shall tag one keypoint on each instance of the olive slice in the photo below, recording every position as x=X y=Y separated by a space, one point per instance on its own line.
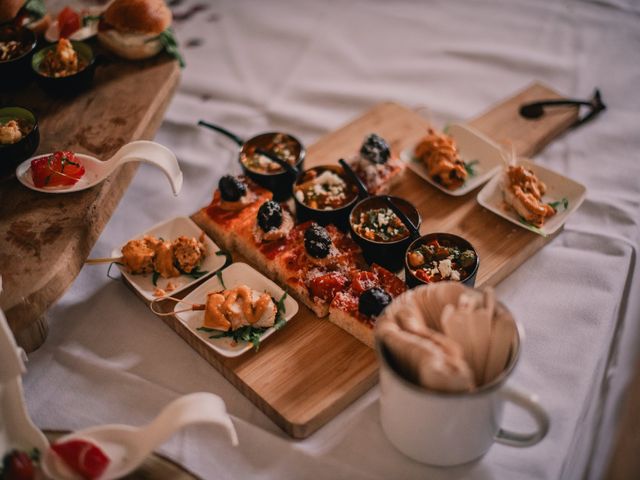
x=232 y=188
x=317 y=241
x=269 y=216
x=373 y=301
x=375 y=149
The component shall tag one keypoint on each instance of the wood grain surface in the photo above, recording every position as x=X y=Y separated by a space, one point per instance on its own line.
x=46 y=238
x=309 y=371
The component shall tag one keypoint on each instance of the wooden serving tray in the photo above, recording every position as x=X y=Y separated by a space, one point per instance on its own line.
x=46 y=238
x=309 y=371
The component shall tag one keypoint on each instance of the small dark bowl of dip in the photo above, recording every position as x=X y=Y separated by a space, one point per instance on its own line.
x=13 y=150
x=324 y=211
x=269 y=174
x=16 y=50
x=385 y=246
x=466 y=266
x=65 y=84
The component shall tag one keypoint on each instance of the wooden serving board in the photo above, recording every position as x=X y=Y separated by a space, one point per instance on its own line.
x=309 y=371
x=46 y=238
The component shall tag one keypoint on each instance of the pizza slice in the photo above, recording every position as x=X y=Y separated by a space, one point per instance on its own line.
x=265 y=235
x=356 y=308
x=235 y=201
x=317 y=263
x=376 y=165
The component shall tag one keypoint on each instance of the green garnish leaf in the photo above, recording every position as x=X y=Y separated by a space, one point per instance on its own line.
x=87 y=19
x=170 y=44
x=247 y=334
x=36 y=7
x=34 y=454
x=281 y=321
x=533 y=228
x=154 y=278
x=564 y=202
x=470 y=167
x=220 y=279
x=446 y=129
x=196 y=273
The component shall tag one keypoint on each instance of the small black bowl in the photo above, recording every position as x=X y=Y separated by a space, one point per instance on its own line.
x=13 y=154
x=336 y=216
x=279 y=181
x=390 y=255
x=444 y=239
x=16 y=71
x=71 y=84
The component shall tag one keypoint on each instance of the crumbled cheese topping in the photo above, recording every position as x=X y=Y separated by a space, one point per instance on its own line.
x=444 y=267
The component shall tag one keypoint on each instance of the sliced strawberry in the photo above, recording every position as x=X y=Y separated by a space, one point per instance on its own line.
x=17 y=466
x=68 y=22
x=59 y=168
x=83 y=457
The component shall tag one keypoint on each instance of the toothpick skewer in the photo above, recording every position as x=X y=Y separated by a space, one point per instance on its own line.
x=96 y=261
x=192 y=306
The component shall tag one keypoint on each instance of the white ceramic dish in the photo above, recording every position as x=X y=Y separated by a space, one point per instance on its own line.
x=232 y=276
x=170 y=230
x=558 y=187
x=97 y=170
x=473 y=147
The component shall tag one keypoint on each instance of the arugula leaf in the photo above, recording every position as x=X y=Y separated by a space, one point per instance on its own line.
x=281 y=321
x=247 y=334
x=170 y=44
x=154 y=278
x=36 y=7
x=220 y=279
x=446 y=129
x=87 y=19
x=533 y=228
x=564 y=202
x=470 y=167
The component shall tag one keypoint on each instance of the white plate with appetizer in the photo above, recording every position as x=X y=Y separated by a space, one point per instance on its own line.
x=167 y=258
x=455 y=162
x=218 y=313
x=532 y=197
x=65 y=171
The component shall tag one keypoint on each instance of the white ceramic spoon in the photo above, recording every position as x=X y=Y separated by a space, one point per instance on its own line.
x=96 y=170
x=128 y=446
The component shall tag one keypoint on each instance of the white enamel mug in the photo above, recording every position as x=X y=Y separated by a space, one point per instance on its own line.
x=446 y=429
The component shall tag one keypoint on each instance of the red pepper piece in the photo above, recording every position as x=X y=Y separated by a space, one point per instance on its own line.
x=68 y=22
x=83 y=457
x=59 y=168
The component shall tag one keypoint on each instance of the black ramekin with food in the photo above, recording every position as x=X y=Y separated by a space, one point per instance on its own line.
x=16 y=49
x=259 y=167
x=65 y=68
x=439 y=257
x=381 y=234
x=325 y=195
x=19 y=138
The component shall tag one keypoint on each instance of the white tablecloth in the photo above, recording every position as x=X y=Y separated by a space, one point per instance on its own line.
x=309 y=67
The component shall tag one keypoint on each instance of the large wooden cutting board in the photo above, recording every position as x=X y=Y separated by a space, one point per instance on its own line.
x=309 y=371
x=44 y=238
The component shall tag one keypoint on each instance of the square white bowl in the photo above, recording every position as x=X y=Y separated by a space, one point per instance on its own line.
x=232 y=276
x=558 y=187
x=472 y=146
x=170 y=230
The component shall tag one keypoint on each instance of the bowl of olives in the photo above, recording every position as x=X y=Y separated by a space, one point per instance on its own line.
x=437 y=257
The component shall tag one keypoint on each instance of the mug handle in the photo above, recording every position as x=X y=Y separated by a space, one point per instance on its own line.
x=530 y=404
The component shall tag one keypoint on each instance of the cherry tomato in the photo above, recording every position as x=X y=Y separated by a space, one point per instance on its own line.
x=83 y=457
x=68 y=22
x=59 y=168
x=17 y=466
x=326 y=286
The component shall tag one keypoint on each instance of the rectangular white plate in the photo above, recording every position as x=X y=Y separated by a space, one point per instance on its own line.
x=558 y=187
x=472 y=146
x=170 y=230
x=232 y=276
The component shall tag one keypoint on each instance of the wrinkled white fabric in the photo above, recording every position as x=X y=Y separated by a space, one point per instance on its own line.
x=309 y=67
